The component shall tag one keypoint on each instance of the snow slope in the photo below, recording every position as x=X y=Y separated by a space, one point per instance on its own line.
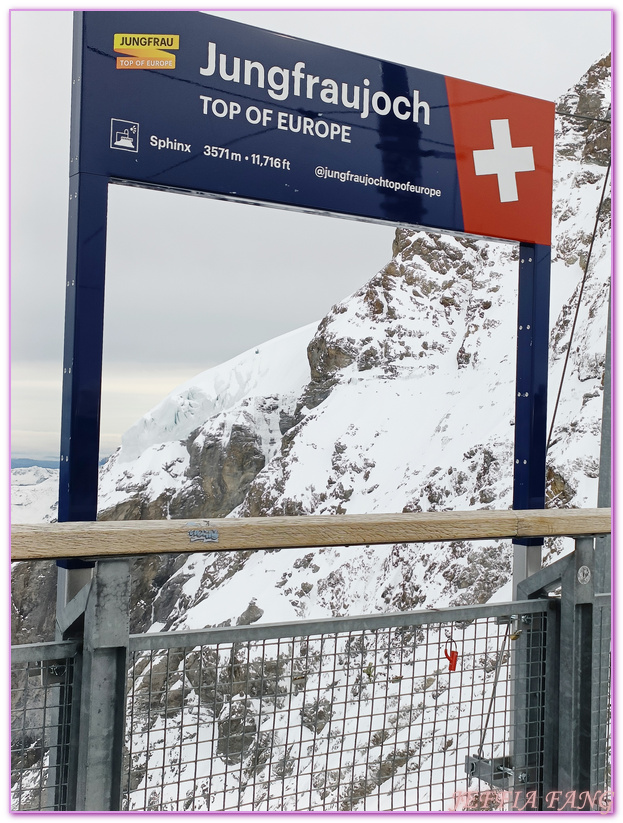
x=34 y=495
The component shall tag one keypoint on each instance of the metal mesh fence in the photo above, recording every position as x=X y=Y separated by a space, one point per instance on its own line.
x=427 y=711
x=601 y=761
x=347 y=719
x=42 y=679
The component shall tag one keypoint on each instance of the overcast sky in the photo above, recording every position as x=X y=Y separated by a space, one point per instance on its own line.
x=192 y=282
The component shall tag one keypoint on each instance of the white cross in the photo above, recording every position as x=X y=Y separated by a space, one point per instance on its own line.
x=504 y=160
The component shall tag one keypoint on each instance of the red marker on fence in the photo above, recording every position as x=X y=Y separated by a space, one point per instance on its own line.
x=452 y=657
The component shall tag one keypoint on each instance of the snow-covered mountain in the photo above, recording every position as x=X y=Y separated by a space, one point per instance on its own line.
x=400 y=399
x=34 y=495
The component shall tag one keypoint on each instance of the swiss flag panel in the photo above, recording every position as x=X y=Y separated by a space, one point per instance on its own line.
x=504 y=147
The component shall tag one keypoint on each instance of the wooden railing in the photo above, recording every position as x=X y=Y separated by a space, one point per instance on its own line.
x=137 y=537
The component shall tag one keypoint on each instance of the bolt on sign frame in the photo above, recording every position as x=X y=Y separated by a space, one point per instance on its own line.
x=189 y=102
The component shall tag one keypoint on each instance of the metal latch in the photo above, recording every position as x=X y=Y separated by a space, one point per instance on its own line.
x=54 y=672
x=497 y=772
x=49 y=672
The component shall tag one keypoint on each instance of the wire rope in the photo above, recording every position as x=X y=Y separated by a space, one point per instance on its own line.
x=498 y=667
x=579 y=303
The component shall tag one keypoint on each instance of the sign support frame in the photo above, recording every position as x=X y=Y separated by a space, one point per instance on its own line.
x=83 y=352
x=82 y=357
x=530 y=451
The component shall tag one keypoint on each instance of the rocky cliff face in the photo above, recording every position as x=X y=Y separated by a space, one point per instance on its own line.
x=400 y=399
x=197 y=452
x=399 y=359
x=405 y=401
x=581 y=268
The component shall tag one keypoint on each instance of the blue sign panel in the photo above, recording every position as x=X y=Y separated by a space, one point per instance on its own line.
x=198 y=103
x=231 y=109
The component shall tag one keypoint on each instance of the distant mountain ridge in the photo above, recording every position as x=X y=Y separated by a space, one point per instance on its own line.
x=34 y=494
x=27 y=463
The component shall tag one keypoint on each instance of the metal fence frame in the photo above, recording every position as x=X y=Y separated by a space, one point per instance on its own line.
x=45 y=678
x=578 y=727
x=467 y=728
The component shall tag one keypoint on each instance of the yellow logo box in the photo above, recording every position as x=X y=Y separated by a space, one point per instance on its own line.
x=146 y=51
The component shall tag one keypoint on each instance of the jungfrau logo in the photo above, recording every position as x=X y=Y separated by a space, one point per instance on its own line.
x=146 y=51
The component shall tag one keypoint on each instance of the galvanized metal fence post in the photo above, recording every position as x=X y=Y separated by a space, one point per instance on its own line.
x=576 y=670
x=104 y=672
x=531 y=670
x=600 y=756
x=576 y=720
x=71 y=596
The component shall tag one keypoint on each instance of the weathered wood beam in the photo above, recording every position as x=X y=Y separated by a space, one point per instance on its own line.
x=51 y=541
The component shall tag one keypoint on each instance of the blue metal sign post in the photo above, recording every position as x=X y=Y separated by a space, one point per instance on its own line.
x=531 y=397
x=82 y=359
x=183 y=101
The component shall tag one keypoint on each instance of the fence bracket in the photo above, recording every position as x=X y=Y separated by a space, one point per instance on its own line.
x=498 y=772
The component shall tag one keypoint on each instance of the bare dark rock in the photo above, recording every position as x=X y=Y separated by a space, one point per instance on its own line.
x=463 y=357
x=368 y=359
x=33 y=602
x=236 y=731
x=151 y=599
x=316 y=715
x=326 y=357
x=250 y=615
x=304 y=562
x=558 y=491
x=225 y=469
x=287 y=421
x=315 y=393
